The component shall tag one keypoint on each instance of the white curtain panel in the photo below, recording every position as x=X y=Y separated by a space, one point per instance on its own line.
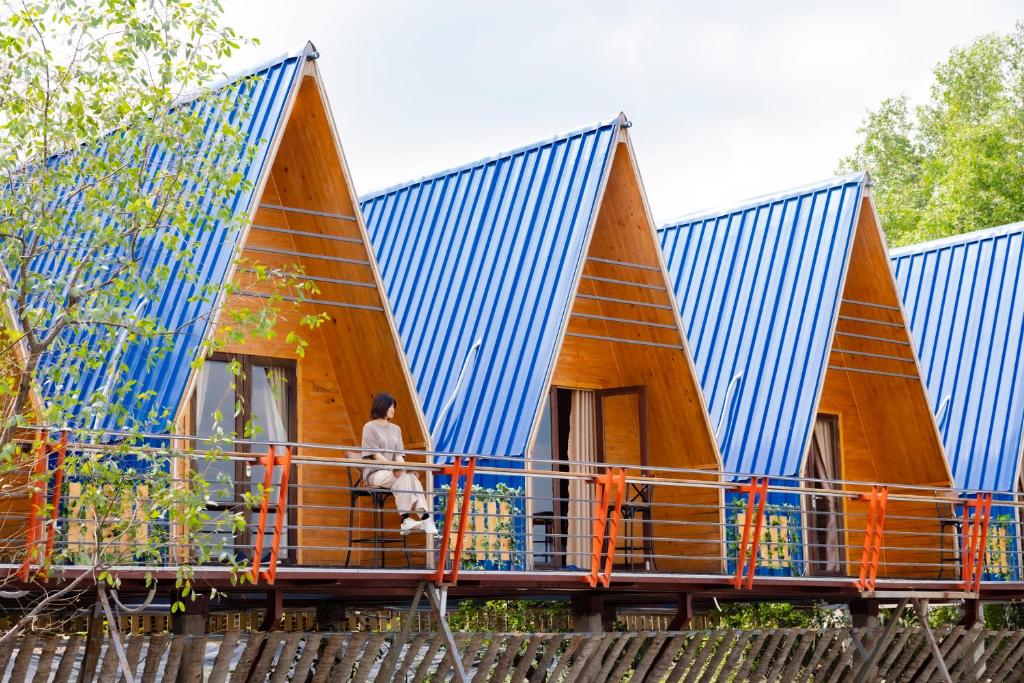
x=582 y=450
x=826 y=439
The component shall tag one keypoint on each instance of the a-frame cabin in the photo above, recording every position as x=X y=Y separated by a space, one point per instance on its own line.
x=297 y=217
x=535 y=277
x=808 y=369
x=965 y=303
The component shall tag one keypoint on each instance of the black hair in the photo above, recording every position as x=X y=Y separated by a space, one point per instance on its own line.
x=381 y=403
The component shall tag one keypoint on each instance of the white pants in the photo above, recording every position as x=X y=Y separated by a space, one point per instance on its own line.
x=407 y=489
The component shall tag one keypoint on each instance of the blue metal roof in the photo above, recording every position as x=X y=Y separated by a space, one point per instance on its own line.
x=160 y=378
x=759 y=288
x=490 y=252
x=965 y=302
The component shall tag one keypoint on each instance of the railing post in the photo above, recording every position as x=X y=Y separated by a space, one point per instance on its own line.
x=976 y=515
x=467 y=495
x=282 y=508
x=261 y=526
x=874 y=533
x=602 y=486
x=613 y=525
x=38 y=501
x=757 y=492
x=58 y=484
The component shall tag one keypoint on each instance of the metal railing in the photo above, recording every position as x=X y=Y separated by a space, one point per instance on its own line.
x=306 y=505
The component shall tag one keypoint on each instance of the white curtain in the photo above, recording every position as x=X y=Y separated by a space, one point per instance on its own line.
x=275 y=413
x=202 y=388
x=582 y=450
x=826 y=439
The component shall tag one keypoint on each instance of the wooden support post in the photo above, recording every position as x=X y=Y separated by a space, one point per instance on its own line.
x=331 y=616
x=972 y=614
x=438 y=597
x=275 y=610
x=93 y=646
x=864 y=613
x=921 y=607
x=192 y=622
x=868 y=660
x=684 y=613
x=587 y=612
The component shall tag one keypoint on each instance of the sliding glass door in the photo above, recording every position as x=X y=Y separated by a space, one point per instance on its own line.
x=246 y=399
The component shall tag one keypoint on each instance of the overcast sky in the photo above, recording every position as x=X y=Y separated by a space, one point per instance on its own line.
x=728 y=100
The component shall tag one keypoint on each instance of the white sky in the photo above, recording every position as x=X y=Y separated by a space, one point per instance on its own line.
x=728 y=100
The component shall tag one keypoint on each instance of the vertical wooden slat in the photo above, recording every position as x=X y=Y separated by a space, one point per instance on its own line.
x=767 y=653
x=369 y=656
x=428 y=658
x=707 y=647
x=588 y=668
x=959 y=669
x=285 y=659
x=325 y=663
x=222 y=662
x=310 y=649
x=45 y=664
x=907 y=656
x=724 y=647
x=192 y=659
x=895 y=648
x=550 y=650
x=404 y=665
x=797 y=660
x=174 y=655
x=571 y=651
x=512 y=645
x=109 y=668
x=154 y=654
x=744 y=665
x=1009 y=664
x=825 y=652
x=67 y=660
x=353 y=650
x=737 y=649
x=998 y=656
x=666 y=655
x=790 y=640
x=611 y=656
x=648 y=659
x=526 y=661
x=626 y=660
x=246 y=659
x=26 y=647
x=133 y=648
x=487 y=660
x=271 y=644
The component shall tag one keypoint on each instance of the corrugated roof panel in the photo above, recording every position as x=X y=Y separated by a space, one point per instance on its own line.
x=759 y=287
x=258 y=111
x=965 y=301
x=489 y=252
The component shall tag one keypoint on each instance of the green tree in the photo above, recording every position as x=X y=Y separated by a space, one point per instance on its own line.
x=108 y=143
x=955 y=163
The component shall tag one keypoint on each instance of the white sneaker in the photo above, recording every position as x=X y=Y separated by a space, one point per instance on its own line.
x=409 y=525
x=427 y=526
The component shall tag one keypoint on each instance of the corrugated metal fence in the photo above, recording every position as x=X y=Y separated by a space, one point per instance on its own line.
x=733 y=655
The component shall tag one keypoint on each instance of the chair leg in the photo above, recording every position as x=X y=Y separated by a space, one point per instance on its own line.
x=378 y=532
x=351 y=533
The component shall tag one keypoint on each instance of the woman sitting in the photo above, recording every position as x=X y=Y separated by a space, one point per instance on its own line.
x=382 y=442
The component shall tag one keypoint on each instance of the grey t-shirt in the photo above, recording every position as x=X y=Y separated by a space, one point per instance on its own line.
x=384 y=436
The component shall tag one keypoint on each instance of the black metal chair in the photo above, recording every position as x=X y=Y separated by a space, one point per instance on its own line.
x=549 y=551
x=947 y=521
x=636 y=510
x=358 y=489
